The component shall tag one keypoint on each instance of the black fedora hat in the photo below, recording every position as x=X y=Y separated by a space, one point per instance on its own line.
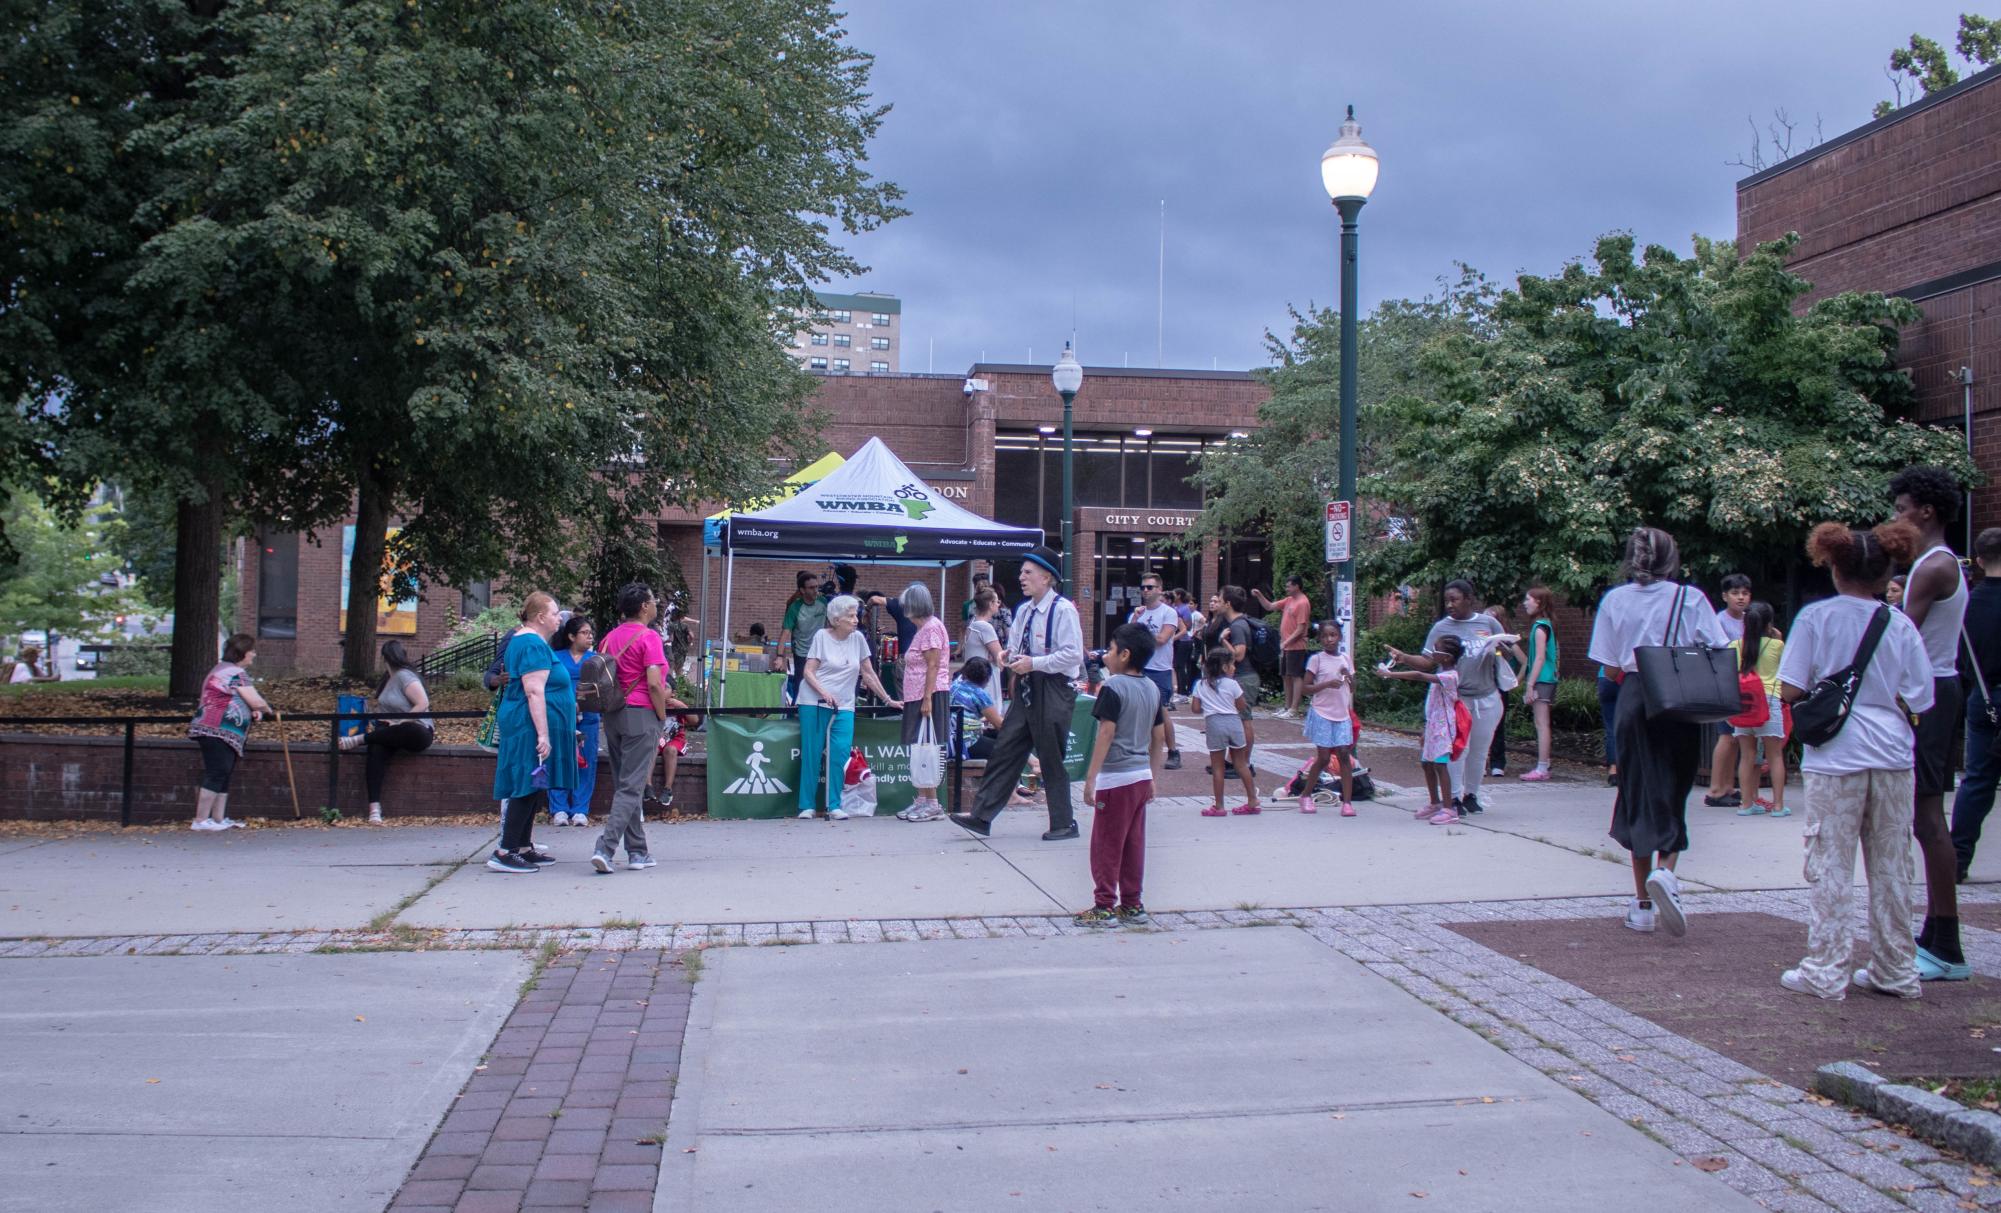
x=1049 y=560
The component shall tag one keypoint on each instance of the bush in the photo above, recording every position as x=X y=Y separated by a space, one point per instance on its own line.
x=149 y=659
x=1388 y=699
x=501 y=619
x=1576 y=706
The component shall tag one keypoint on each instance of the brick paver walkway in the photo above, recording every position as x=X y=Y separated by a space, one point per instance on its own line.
x=569 y=1109
x=598 y=1039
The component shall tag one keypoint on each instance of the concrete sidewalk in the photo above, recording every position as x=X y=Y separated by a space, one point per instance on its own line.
x=1224 y=1070
x=1544 y=840
x=233 y=1084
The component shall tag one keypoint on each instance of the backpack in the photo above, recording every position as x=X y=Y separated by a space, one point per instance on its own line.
x=598 y=689
x=1264 y=648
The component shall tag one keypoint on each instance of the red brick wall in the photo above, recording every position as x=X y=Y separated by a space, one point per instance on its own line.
x=1908 y=201
x=318 y=646
x=46 y=778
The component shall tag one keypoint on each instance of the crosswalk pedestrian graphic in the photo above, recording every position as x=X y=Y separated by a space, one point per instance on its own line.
x=756 y=782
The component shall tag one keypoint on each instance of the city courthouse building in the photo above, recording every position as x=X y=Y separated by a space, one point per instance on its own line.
x=989 y=440
x=1910 y=205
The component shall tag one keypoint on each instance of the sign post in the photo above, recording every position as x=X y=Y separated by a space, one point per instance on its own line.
x=1340 y=551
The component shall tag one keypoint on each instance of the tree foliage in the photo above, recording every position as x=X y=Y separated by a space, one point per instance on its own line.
x=1680 y=392
x=1276 y=480
x=51 y=582
x=510 y=272
x=1928 y=68
x=532 y=243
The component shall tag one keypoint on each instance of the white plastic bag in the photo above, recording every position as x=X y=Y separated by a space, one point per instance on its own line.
x=858 y=799
x=927 y=761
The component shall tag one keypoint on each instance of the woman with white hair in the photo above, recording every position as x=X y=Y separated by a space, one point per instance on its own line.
x=837 y=661
x=927 y=687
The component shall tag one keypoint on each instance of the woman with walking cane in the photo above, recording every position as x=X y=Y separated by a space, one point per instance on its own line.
x=839 y=659
x=228 y=706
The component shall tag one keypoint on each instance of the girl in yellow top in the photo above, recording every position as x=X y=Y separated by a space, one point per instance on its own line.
x=1760 y=651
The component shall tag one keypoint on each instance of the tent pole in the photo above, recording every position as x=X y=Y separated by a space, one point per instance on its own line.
x=722 y=669
x=702 y=639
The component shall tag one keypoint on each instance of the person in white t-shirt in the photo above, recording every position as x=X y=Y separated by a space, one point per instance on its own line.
x=1858 y=785
x=1158 y=616
x=1657 y=758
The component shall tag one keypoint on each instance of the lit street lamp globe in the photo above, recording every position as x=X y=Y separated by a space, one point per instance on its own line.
x=1348 y=166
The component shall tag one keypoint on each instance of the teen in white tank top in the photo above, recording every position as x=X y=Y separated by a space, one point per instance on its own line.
x=1940 y=629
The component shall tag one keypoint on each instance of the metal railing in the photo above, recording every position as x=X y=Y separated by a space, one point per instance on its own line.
x=472 y=653
x=360 y=719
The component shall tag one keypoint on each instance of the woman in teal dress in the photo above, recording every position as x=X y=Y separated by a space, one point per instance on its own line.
x=538 y=735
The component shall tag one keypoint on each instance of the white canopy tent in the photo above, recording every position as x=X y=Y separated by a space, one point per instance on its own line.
x=872 y=509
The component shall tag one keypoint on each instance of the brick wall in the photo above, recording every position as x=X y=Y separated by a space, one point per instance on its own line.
x=318 y=646
x=45 y=778
x=1896 y=204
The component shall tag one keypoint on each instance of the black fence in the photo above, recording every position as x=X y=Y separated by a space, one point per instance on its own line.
x=472 y=653
x=335 y=721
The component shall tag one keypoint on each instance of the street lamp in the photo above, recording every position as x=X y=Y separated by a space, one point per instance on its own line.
x=1348 y=170
x=1068 y=377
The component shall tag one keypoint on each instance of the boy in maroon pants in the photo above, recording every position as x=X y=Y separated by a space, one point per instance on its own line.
x=1132 y=727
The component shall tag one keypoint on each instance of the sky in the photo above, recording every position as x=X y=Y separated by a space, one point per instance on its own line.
x=1037 y=141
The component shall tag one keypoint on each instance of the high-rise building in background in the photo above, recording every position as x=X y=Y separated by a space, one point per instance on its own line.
x=852 y=335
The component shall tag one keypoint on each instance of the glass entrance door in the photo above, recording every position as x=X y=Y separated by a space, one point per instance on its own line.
x=1122 y=560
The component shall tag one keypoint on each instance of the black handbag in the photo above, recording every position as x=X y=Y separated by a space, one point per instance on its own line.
x=1692 y=683
x=1818 y=718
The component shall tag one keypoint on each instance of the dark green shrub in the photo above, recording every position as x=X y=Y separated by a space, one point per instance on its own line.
x=1388 y=699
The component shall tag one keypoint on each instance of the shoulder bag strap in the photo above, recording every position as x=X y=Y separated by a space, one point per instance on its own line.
x=622 y=650
x=1979 y=677
x=1674 y=616
x=1867 y=649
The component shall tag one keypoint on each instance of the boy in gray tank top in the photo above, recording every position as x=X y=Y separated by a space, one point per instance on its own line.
x=1131 y=728
x=1928 y=499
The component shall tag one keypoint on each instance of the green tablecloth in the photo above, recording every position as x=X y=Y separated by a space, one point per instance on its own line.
x=750 y=690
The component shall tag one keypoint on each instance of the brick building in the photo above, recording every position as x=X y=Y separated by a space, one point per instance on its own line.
x=1910 y=205
x=989 y=440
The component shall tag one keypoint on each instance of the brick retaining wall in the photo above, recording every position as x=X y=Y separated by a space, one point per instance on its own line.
x=54 y=778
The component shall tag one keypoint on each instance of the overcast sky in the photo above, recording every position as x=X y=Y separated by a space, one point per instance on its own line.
x=1038 y=140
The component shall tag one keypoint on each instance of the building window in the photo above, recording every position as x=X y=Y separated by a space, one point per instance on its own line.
x=843 y=340
x=840 y=364
x=277 y=584
x=882 y=318
x=878 y=366
x=878 y=343
x=818 y=364
x=477 y=596
x=819 y=339
x=843 y=317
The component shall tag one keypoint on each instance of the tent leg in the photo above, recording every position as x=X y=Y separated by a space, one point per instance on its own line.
x=702 y=639
x=722 y=670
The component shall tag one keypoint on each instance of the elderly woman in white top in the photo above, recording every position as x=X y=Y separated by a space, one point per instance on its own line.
x=1657 y=758
x=838 y=660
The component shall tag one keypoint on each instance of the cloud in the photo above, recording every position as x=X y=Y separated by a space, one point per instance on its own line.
x=1037 y=141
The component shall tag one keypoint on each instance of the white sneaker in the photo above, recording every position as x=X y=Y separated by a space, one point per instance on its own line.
x=1867 y=980
x=806 y=816
x=559 y=819
x=1666 y=891
x=1640 y=918
x=205 y=825
x=229 y=823
x=836 y=815
x=375 y=817
x=1793 y=980
x=580 y=819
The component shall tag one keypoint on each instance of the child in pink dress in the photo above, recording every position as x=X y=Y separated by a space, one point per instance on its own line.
x=1440 y=726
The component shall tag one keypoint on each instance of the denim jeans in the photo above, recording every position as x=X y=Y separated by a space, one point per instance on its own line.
x=1976 y=787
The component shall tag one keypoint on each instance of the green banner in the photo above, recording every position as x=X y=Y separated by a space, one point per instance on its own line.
x=753 y=768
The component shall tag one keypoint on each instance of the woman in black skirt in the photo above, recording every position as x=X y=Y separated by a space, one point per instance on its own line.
x=1657 y=758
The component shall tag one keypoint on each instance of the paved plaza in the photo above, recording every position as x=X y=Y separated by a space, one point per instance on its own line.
x=1328 y=1013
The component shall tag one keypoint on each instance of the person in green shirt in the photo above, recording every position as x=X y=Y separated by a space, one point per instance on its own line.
x=805 y=615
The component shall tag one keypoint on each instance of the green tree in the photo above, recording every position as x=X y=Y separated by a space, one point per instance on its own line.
x=1929 y=68
x=51 y=582
x=1681 y=392
x=1276 y=480
x=542 y=253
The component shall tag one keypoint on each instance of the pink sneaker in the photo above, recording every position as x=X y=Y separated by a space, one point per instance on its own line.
x=1347 y=809
x=1246 y=810
x=1444 y=817
x=1427 y=812
x=1306 y=805
x=1535 y=776
x=1215 y=810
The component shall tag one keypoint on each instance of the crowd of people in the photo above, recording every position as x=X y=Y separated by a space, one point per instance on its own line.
x=1885 y=650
